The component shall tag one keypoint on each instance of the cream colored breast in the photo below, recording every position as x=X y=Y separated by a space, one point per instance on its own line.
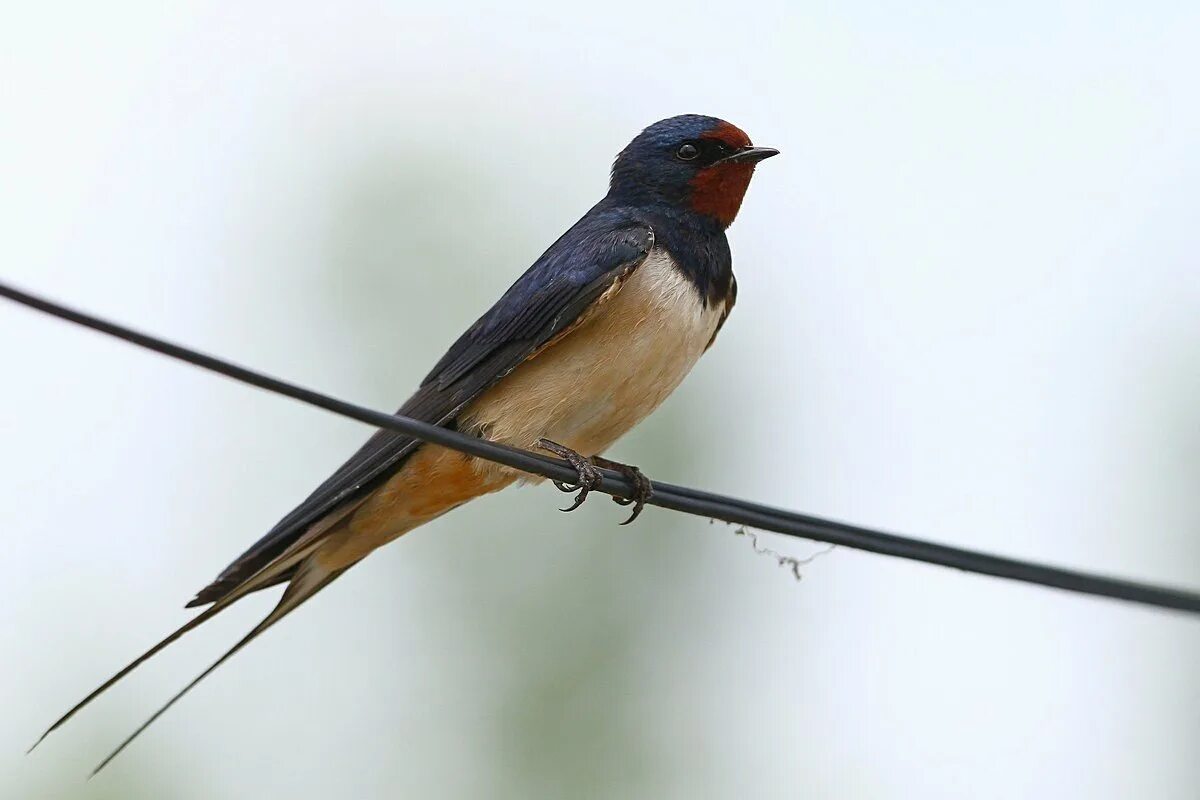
x=593 y=385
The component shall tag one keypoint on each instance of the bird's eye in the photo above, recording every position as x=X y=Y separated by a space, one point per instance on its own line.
x=687 y=151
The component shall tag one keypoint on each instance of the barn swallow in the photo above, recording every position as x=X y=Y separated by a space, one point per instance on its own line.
x=585 y=344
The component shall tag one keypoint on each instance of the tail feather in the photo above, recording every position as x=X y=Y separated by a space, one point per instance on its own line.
x=286 y=565
x=249 y=564
x=208 y=614
x=218 y=589
x=306 y=583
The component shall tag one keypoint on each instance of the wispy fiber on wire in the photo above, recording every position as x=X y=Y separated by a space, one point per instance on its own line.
x=676 y=498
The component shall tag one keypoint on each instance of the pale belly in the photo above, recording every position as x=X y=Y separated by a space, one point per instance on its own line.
x=603 y=378
x=584 y=391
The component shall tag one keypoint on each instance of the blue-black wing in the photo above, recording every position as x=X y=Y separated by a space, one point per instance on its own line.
x=600 y=249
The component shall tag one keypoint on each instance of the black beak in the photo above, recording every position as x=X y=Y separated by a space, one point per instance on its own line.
x=751 y=155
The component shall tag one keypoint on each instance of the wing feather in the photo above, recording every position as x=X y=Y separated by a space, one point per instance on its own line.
x=583 y=265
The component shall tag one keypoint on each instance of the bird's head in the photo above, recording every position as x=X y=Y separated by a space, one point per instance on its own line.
x=693 y=163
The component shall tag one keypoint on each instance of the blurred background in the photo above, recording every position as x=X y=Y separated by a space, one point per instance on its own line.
x=969 y=310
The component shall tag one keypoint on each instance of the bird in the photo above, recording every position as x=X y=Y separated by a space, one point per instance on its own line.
x=584 y=345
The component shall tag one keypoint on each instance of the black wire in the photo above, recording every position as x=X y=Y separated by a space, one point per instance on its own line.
x=676 y=498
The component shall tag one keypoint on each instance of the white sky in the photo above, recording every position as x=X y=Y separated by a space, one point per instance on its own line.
x=969 y=310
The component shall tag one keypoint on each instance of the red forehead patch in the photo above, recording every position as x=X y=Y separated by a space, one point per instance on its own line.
x=730 y=134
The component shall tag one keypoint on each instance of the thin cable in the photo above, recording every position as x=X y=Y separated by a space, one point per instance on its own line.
x=675 y=498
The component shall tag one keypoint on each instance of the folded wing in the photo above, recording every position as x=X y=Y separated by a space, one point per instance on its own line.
x=598 y=252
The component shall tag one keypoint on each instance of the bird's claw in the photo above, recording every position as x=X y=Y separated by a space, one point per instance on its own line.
x=590 y=478
x=642 y=488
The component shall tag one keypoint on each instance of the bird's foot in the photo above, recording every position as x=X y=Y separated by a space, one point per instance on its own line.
x=590 y=478
x=642 y=488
